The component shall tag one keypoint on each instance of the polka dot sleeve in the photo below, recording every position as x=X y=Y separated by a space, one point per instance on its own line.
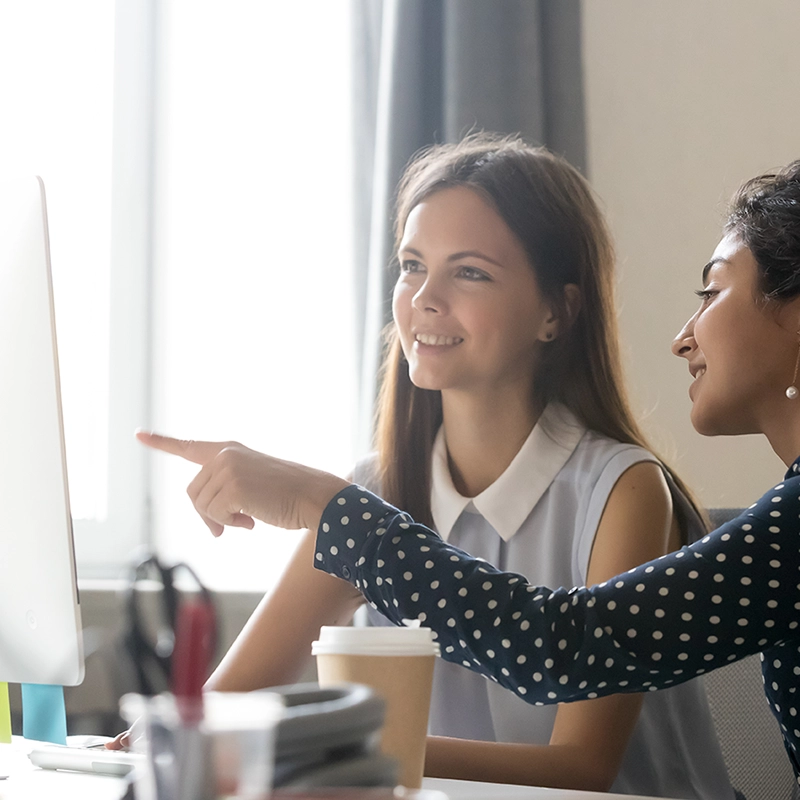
x=731 y=594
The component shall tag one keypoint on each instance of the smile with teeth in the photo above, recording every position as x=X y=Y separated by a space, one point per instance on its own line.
x=700 y=373
x=433 y=339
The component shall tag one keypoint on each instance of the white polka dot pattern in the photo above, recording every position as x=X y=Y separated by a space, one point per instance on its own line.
x=734 y=593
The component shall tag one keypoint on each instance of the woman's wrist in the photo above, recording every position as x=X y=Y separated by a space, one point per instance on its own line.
x=322 y=487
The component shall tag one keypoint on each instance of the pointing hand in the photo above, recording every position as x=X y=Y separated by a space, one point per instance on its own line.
x=236 y=485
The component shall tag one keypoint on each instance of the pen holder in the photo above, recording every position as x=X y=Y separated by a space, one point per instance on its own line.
x=221 y=747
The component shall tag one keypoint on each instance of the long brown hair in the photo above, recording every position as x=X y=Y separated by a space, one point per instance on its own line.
x=550 y=207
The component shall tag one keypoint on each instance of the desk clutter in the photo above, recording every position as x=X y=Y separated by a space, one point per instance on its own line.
x=200 y=745
x=306 y=739
x=331 y=737
x=295 y=738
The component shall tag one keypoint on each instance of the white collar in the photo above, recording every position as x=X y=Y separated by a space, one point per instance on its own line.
x=506 y=504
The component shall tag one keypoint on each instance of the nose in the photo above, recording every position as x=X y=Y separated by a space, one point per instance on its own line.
x=429 y=297
x=683 y=345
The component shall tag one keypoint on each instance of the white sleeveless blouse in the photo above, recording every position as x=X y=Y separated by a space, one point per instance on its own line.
x=539 y=519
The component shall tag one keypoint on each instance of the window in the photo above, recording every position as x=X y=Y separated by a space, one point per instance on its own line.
x=57 y=101
x=252 y=269
x=196 y=162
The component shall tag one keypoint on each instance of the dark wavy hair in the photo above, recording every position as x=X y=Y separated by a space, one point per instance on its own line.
x=551 y=209
x=765 y=215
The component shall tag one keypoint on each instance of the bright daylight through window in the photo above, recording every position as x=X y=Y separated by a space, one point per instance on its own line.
x=246 y=329
x=252 y=270
x=57 y=99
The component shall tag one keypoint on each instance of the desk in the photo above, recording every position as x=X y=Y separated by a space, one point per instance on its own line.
x=27 y=782
x=474 y=790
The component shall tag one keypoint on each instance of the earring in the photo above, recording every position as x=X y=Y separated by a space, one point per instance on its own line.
x=549 y=336
x=792 y=392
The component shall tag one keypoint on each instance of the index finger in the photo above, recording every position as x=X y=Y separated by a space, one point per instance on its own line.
x=197 y=452
x=120 y=742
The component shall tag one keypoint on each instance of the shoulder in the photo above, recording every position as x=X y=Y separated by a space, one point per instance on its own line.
x=642 y=482
x=618 y=484
x=601 y=466
x=780 y=504
x=602 y=460
x=593 y=454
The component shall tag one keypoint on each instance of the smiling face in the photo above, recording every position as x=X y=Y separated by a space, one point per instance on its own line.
x=467 y=305
x=741 y=350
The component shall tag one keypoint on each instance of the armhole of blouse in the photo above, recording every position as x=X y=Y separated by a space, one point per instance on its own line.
x=694 y=526
x=611 y=473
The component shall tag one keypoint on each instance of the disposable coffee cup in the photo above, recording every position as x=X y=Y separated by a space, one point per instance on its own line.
x=398 y=664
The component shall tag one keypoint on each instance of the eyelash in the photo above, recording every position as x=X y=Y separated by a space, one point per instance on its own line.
x=705 y=294
x=470 y=273
x=476 y=274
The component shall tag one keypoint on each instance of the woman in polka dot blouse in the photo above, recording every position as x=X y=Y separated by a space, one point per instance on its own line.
x=731 y=594
x=497 y=427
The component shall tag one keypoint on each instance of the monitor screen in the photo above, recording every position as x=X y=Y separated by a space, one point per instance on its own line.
x=40 y=623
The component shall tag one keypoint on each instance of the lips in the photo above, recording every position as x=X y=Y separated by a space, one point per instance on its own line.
x=437 y=340
x=697 y=370
x=697 y=373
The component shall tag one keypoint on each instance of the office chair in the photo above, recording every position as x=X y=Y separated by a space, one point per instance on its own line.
x=749 y=735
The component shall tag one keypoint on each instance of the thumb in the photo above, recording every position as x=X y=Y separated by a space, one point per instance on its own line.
x=197 y=452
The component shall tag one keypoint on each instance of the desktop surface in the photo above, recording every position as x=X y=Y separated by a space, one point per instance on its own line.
x=477 y=790
x=26 y=782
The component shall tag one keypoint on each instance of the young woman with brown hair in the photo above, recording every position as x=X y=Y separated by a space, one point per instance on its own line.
x=504 y=423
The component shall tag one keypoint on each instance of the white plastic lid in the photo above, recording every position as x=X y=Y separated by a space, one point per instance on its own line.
x=376 y=641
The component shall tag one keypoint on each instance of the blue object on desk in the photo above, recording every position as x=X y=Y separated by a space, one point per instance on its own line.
x=44 y=715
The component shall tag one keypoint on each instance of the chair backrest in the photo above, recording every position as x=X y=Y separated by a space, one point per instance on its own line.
x=749 y=735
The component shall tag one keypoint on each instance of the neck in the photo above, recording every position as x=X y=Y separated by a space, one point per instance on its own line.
x=783 y=432
x=483 y=435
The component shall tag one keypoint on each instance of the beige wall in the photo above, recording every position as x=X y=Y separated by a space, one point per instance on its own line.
x=685 y=100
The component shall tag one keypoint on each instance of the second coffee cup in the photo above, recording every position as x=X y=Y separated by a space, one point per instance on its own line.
x=398 y=664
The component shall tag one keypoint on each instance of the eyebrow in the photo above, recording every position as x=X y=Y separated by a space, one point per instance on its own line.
x=707 y=267
x=456 y=256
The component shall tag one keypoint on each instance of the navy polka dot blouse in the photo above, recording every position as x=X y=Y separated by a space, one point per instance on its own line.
x=734 y=593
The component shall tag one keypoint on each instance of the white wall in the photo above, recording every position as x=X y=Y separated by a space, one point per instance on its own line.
x=685 y=100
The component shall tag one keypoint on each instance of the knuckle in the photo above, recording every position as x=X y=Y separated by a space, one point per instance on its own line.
x=226 y=455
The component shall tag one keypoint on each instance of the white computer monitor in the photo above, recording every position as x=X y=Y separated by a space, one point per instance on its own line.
x=40 y=621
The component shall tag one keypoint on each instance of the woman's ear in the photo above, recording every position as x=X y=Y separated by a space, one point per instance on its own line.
x=553 y=326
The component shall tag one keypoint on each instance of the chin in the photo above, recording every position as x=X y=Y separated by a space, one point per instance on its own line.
x=425 y=382
x=706 y=430
x=719 y=423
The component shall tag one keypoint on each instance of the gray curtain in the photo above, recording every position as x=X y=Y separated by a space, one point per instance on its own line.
x=428 y=71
